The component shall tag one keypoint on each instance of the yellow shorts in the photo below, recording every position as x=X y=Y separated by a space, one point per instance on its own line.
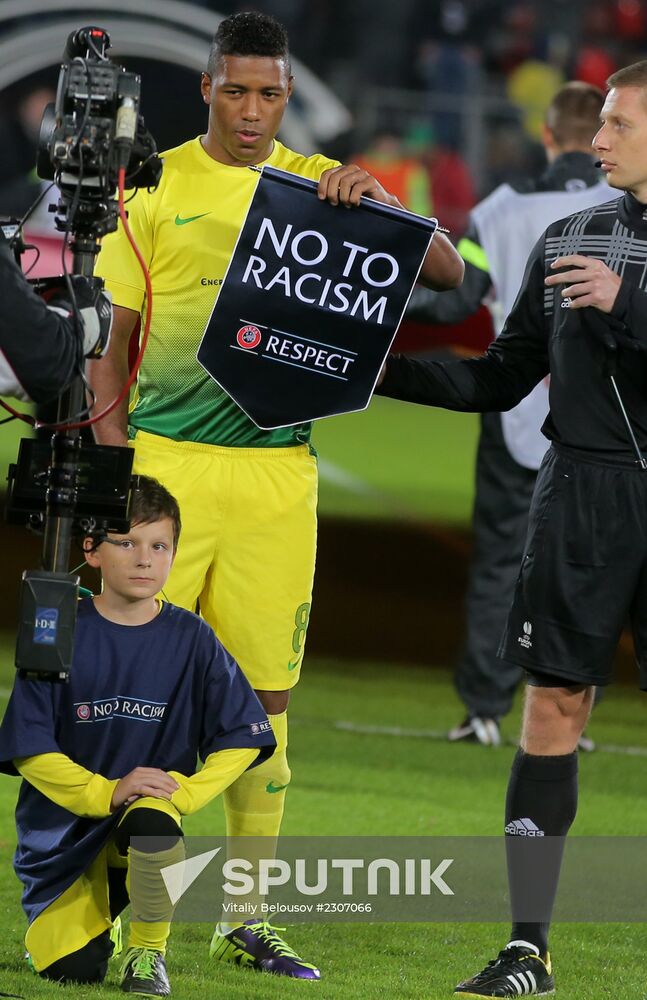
x=247 y=548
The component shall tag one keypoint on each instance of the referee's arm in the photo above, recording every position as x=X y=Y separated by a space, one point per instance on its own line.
x=630 y=307
x=497 y=381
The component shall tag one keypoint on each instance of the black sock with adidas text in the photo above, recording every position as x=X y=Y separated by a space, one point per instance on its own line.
x=540 y=807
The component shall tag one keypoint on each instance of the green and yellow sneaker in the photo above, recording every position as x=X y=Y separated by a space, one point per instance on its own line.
x=144 y=973
x=256 y=945
x=116 y=937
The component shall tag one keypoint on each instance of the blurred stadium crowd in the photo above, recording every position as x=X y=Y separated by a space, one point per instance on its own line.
x=447 y=96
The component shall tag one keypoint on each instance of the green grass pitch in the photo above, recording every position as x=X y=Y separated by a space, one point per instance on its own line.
x=395 y=460
x=392 y=460
x=10 y=435
x=348 y=782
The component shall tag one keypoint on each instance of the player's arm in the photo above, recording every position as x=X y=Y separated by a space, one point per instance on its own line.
x=108 y=376
x=502 y=377
x=457 y=304
x=220 y=770
x=120 y=268
x=442 y=267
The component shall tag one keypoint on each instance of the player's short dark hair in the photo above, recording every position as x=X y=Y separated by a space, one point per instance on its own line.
x=151 y=502
x=249 y=33
x=634 y=75
x=573 y=115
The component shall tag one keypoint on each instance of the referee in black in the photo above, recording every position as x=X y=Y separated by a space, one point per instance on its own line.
x=503 y=229
x=580 y=317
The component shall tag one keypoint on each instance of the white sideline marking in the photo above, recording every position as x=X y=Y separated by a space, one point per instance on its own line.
x=432 y=734
x=437 y=734
x=346 y=480
x=390 y=502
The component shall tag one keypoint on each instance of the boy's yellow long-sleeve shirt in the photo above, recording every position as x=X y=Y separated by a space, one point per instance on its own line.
x=83 y=793
x=164 y=694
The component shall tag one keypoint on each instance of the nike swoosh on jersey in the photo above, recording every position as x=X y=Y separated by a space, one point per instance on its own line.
x=191 y=218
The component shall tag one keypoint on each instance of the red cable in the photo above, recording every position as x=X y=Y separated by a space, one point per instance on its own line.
x=149 y=302
x=25 y=417
x=133 y=375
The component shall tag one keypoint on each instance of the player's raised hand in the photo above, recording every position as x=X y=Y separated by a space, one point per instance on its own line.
x=143 y=781
x=345 y=185
x=588 y=282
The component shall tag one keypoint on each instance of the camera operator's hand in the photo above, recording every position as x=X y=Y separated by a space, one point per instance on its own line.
x=39 y=342
x=143 y=781
x=95 y=308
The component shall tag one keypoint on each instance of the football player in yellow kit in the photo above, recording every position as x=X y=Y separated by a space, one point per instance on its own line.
x=248 y=496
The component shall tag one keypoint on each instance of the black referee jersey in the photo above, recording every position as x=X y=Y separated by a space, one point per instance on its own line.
x=577 y=347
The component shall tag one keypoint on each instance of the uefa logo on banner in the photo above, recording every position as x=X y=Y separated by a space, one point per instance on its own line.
x=248 y=337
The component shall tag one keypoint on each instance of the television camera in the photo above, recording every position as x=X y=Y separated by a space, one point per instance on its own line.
x=92 y=141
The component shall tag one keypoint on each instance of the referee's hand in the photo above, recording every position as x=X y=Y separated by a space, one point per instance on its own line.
x=588 y=282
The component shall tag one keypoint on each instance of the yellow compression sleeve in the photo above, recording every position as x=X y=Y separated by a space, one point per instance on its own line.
x=473 y=253
x=219 y=771
x=68 y=784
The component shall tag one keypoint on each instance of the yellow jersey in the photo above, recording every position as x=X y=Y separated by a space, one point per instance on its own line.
x=186 y=231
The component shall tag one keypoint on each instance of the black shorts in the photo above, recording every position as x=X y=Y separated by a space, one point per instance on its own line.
x=584 y=570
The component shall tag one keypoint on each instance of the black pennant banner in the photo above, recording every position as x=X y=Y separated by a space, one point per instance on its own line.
x=311 y=301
